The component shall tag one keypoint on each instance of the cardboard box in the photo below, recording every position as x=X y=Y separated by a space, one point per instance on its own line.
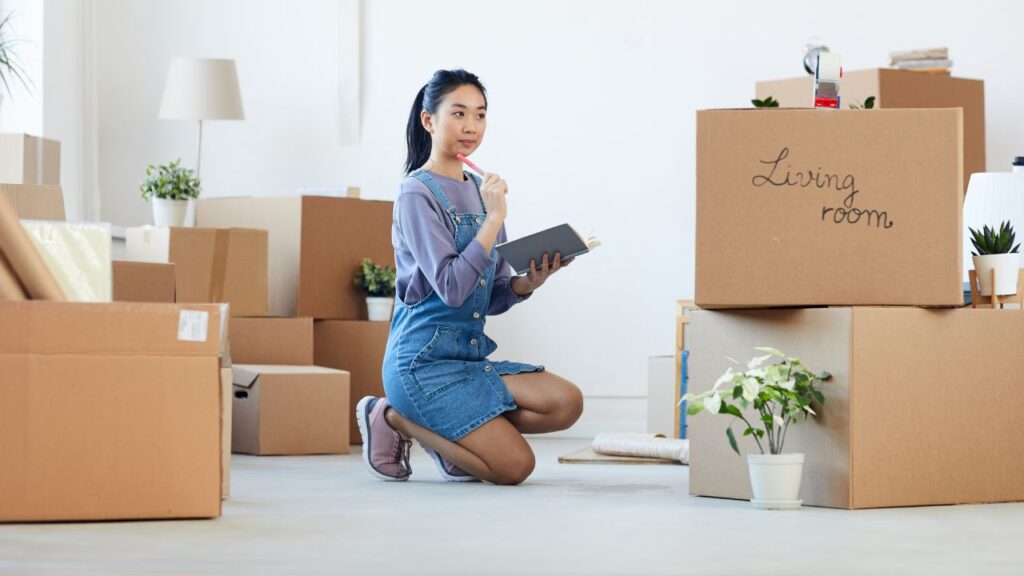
x=316 y=246
x=26 y=159
x=226 y=400
x=34 y=202
x=357 y=347
x=282 y=341
x=828 y=207
x=923 y=408
x=143 y=281
x=281 y=410
x=109 y=411
x=211 y=264
x=894 y=88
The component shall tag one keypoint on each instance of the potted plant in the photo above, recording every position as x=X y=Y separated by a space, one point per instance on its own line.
x=10 y=65
x=379 y=286
x=996 y=251
x=169 y=187
x=781 y=389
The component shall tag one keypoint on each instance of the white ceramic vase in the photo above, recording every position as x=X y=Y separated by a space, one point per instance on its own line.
x=169 y=212
x=1007 y=267
x=775 y=480
x=379 y=308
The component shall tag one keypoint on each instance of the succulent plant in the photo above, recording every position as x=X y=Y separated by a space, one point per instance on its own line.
x=989 y=241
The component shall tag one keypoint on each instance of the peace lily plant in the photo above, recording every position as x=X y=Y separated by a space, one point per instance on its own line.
x=782 y=390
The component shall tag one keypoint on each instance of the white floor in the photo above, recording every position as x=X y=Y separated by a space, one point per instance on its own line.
x=325 y=515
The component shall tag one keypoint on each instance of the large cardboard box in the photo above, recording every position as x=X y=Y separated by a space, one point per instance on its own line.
x=894 y=88
x=211 y=264
x=923 y=408
x=283 y=341
x=35 y=202
x=227 y=394
x=109 y=411
x=280 y=410
x=26 y=159
x=143 y=281
x=355 y=346
x=316 y=245
x=828 y=207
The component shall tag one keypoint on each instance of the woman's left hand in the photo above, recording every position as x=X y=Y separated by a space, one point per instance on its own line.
x=536 y=277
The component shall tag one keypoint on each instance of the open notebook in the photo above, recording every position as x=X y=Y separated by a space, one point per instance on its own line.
x=562 y=238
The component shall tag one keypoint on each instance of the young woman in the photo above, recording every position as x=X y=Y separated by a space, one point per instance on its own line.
x=467 y=411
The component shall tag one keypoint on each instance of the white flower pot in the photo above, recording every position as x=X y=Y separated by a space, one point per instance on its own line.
x=169 y=212
x=775 y=480
x=378 y=309
x=1007 y=267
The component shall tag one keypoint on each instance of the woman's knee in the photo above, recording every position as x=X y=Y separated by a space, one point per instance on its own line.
x=571 y=404
x=514 y=468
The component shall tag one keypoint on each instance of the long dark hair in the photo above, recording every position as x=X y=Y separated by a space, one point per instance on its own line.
x=441 y=83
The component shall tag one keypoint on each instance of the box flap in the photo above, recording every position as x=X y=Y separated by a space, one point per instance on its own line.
x=244 y=377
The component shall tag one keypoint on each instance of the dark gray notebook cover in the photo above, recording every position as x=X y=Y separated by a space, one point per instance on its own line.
x=561 y=239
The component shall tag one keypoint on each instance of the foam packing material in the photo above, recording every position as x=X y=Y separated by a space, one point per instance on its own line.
x=78 y=255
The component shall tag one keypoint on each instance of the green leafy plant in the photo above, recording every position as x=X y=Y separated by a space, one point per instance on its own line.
x=780 y=392
x=768 y=102
x=170 y=182
x=868 y=104
x=10 y=66
x=989 y=241
x=374 y=280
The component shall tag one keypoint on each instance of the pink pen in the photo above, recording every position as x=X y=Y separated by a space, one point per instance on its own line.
x=470 y=164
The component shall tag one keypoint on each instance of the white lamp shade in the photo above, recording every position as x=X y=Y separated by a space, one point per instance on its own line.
x=202 y=89
x=992 y=197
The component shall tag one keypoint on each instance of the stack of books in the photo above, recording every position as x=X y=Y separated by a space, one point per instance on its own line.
x=930 y=60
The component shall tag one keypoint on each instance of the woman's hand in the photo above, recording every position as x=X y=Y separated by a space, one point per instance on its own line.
x=493 y=191
x=536 y=277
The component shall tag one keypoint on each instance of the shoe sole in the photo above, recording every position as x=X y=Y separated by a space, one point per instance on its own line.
x=363 y=420
x=440 y=467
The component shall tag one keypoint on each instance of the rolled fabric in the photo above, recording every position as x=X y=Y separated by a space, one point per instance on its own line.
x=10 y=288
x=642 y=446
x=23 y=257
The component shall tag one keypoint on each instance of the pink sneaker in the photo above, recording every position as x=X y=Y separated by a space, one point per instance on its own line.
x=385 y=450
x=448 y=470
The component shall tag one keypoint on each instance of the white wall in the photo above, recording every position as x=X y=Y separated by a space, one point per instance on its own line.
x=592 y=122
x=22 y=110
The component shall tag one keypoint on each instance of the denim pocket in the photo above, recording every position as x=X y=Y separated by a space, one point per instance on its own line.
x=440 y=366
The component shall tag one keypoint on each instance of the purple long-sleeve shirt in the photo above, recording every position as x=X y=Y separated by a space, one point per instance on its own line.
x=425 y=254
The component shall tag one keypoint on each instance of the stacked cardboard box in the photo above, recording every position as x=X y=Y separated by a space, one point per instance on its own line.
x=858 y=212
x=316 y=245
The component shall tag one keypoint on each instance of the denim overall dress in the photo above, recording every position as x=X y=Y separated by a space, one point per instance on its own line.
x=436 y=371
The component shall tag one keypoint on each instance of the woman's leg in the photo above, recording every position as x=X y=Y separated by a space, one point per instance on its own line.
x=547 y=402
x=495 y=452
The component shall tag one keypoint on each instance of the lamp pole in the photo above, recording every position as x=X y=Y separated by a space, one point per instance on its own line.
x=199 y=148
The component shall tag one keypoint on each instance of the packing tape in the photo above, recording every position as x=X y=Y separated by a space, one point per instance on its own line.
x=218 y=269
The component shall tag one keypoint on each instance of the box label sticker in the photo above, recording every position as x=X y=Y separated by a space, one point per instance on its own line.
x=192 y=325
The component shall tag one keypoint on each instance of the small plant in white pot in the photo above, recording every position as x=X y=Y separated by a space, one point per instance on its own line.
x=169 y=187
x=995 y=250
x=378 y=283
x=781 y=389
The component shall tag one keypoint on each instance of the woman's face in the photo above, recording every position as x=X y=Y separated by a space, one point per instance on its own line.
x=460 y=121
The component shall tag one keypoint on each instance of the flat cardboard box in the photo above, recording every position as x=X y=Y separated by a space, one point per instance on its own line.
x=828 y=207
x=283 y=341
x=894 y=88
x=355 y=346
x=35 y=202
x=143 y=281
x=109 y=411
x=279 y=410
x=26 y=159
x=923 y=406
x=211 y=264
x=316 y=246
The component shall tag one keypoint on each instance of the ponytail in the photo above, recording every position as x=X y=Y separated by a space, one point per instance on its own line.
x=428 y=98
x=416 y=136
